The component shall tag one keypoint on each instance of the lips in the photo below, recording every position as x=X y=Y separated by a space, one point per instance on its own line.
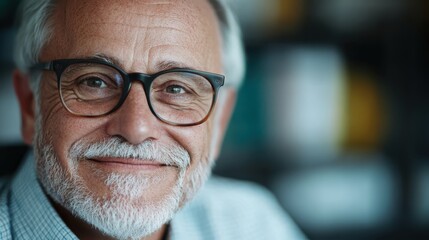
x=127 y=162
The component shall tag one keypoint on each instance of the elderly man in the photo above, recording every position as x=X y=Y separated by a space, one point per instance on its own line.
x=126 y=104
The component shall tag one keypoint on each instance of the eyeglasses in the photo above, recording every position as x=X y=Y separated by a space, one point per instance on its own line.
x=94 y=87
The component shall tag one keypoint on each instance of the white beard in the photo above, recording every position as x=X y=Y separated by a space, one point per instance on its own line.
x=117 y=215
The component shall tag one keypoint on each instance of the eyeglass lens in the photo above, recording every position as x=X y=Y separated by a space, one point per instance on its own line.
x=93 y=89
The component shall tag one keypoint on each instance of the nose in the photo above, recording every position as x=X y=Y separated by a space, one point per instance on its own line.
x=134 y=121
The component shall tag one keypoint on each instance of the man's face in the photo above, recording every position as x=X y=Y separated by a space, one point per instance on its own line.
x=142 y=36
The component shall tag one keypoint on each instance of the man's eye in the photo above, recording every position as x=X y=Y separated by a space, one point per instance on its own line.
x=175 y=89
x=94 y=82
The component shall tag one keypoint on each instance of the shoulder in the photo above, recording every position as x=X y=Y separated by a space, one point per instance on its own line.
x=4 y=209
x=4 y=190
x=243 y=210
x=244 y=200
x=236 y=195
x=3 y=182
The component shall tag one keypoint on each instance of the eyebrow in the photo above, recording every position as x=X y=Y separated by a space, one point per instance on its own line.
x=108 y=59
x=160 y=66
x=167 y=64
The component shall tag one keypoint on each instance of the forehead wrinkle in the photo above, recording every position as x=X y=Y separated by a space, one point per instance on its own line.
x=171 y=18
x=137 y=35
x=125 y=15
x=146 y=22
x=187 y=26
x=127 y=11
x=60 y=25
x=156 y=27
x=159 y=3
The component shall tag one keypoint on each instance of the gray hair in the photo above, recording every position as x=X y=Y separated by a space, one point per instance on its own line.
x=35 y=30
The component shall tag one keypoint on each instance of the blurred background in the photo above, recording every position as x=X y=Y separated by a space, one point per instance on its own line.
x=332 y=117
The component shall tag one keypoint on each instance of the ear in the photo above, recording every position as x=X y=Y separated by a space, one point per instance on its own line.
x=26 y=104
x=223 y=112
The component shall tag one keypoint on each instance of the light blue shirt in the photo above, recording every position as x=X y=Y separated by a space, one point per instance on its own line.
x=224 y=209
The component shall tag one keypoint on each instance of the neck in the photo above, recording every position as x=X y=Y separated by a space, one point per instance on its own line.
x=84 y=230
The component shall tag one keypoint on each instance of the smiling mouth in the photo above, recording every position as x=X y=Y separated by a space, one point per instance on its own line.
x=128 y=163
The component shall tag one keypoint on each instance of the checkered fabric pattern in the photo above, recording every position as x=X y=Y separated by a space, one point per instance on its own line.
x=25 y=211
x=224 y=209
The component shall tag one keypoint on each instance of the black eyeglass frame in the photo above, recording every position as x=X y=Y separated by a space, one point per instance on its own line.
x=59 y=65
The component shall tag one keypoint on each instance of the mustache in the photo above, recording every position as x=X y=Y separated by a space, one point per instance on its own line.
x=115 y=147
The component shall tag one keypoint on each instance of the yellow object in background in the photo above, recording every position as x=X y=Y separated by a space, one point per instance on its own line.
x=365 y=118
x=290 y=14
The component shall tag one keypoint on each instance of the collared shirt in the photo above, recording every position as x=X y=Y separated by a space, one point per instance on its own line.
x=224 y=209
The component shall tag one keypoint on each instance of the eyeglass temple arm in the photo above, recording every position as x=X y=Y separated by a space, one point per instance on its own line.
x=42 y=66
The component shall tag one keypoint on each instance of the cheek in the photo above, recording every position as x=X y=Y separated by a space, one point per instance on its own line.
x=196 y=140
x=62 y=129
